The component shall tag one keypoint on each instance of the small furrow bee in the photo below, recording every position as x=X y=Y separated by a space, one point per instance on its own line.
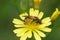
x=34 y=19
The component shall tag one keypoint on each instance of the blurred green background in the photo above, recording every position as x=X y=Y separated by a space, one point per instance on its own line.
x=10 y=9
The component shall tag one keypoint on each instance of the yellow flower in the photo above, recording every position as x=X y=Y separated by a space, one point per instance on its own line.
x=32 y=23
x=37 y=3
x=55 y=14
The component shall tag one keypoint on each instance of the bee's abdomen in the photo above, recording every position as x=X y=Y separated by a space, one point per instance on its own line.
x=37 y=20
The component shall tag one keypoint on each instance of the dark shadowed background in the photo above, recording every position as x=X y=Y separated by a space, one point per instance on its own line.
x=10 y=9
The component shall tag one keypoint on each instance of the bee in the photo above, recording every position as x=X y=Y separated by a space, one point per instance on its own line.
x=34 y=19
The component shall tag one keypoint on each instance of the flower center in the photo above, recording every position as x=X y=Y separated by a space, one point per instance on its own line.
x=32 y=22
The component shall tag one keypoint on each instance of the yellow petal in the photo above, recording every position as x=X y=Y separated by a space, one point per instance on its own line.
x=17 y=21
x=19 y=25
x=48 y=24
x=55 y=14
x=36 y=12
x=46 y=20
x=29 y=34
x=40 y=15
x=22 y=16
x=33 y=12
x=44 y=25
x=37 y=37
x=24 y=37
x=46 y=29
x=20 y=32
x=41 y=33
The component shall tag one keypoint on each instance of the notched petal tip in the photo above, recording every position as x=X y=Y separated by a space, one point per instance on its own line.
x=46 y=29
x=14 y=31
x=13 y=20
x=29 y=34
x=33 y=12
x=37 y=37
x=48 y=24
x=46 y=20
x=17 y=21
x=31 y=9
x=40 y=15
x=40 y=33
